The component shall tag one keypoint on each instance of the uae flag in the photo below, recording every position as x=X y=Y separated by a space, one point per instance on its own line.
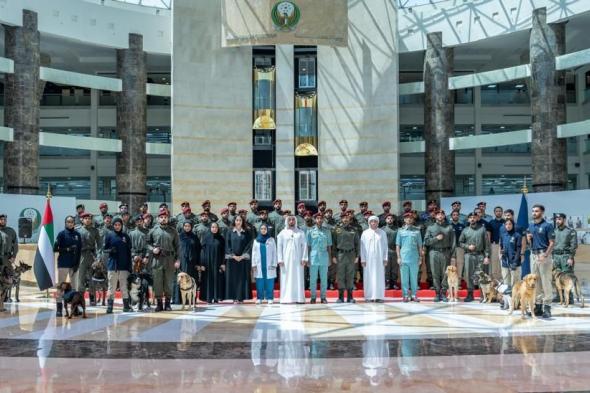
x=44 y=266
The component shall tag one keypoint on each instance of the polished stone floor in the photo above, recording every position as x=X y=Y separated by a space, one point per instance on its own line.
x=425 y=347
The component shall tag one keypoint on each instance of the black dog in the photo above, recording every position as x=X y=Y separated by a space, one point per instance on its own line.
x=138 y=285
x=98 y=282
x=20 y=269
x=74 y=298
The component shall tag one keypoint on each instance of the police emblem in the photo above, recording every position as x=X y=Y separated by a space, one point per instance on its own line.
x=285 y=15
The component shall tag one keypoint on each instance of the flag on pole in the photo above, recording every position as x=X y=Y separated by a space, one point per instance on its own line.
x=44 y=265
x=522 y=225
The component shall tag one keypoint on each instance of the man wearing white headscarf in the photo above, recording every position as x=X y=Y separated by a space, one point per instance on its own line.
x=374 y=260
x=292 y=257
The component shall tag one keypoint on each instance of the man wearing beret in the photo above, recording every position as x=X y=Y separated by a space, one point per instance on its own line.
x=392 y=268
x=476 y=243
x=343 y=208
x=91 y=243
x=252 y=215
x=564 y=249
x=206 y=205
x=440 y=240
x=345 y=238
x=386 y=210
x=263 y=219
x=99 y=218
x=276 y=216
x=224 y=223
x=187 y=215
x=301 y=215
x=360 y=216
x=322 y=207
x=319 y=241
x=232 y=208
x=184 y=205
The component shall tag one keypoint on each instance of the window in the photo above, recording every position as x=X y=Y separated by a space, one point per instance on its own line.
x=306 y=75
x=263 y=185
x=412 y=187
x=78 y=187
x=514 y=92
x=158 y=189
x=107 y=188
x=307 y=185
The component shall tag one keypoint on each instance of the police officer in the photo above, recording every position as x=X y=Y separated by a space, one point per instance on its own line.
x=90 y=247
x=392 y=268
x=564 y=251
x=301 y=211
x=224 y=223
x=322 y=205
x=276 y=216
x=232 y=207
x=459 y=258
x=183 y=206
x=476 y=245
x=206 y=205
x=360 y=216
x=319 y=241
x=68 y=244
x=139 y=249
x=10 y=248
x=346 y=245
x=99 y=218
x=264 y=219
x=186 y=216
x=202 y=228
x=440 y=239
x=343 y=209
x=79 y=210
x=163 y=242
x=386 y=210
x=456 y=205
x=541 y=237
x=252 y=215
x=329 y=221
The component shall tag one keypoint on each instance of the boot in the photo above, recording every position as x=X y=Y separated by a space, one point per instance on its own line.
x=437 y=298
x=443 y=296
x=110 y=304
x=469 y=297
x=547 y=312
x=349 y=298
x=571 y=298
x=59 y=309
x=340 y=296
x=92 y=300
x=159 y=306
x=538 y=310
x=126 y=307
x=167 y=306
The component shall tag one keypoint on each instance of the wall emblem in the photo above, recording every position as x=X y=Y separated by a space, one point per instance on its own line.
x=285 y=15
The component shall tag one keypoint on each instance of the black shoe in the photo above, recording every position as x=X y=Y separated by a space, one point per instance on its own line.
x=469 y=297
x=167 y=306
x=92 y=300
x=59 y=309
x=547 y=312
x=437 y=298
x=312 y=301
x=538 y=310
x=126 y=307
x=110 y=304
x=349 y=298
x=340 y=296
x=159 y=305
x=324 y=301
x=443 y=297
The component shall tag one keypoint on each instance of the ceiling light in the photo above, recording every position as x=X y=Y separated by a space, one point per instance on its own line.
x=491 y=86
x=519 y=86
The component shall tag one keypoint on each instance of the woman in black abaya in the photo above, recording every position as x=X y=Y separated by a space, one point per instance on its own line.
x=212 y=289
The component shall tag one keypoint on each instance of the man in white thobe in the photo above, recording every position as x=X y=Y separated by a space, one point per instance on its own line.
x=374 y=260
x=292 y=257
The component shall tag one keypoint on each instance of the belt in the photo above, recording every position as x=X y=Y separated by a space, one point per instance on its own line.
x=440 y=249
x=561 y=252
x=539 y=251
x=351 y=250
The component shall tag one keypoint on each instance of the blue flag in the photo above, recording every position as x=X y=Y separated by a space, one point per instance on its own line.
x=522 y=224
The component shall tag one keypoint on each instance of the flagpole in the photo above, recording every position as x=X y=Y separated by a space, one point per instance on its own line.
x=48 y=196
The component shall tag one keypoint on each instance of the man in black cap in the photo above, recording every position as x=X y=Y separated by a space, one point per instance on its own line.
x=456 y=206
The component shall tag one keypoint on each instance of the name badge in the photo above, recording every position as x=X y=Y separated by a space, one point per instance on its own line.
x=540 y=229
x=512 y=239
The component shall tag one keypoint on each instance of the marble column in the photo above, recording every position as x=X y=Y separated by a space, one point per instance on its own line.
x=439 y=119
x=131 y=124
x=548 y=104
x=21 y=106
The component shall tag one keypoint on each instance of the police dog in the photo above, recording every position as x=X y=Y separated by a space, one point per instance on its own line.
x=565 y=283
x=138 y=284
x=453 y=281
x=18 y=270
x=74 y=298
x=487 y=287
x=188 y=290
x=98 y=281
x=6 y=281
x=523 y=295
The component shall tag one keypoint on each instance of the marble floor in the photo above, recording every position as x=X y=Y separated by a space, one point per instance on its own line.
x=410 y=347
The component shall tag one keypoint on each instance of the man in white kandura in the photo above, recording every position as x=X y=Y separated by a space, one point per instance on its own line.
x=292 y=257
x=374 y=260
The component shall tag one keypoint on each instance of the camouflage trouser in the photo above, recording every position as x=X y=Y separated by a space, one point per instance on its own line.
x=392 y=268
x=163 y=273
x=473 y=264
x=346 y=270
x=439 y=260
x=85 y=270
x=560 y=263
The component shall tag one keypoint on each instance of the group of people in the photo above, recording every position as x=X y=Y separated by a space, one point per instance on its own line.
x=226 y=254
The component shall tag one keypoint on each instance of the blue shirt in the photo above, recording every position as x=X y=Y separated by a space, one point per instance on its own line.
x=318 y=240
x=458 y=228
x=409 y=240
x=511 y=244
x=118 y=245
x=69 y=245
x=496 y=227
x=542 y=233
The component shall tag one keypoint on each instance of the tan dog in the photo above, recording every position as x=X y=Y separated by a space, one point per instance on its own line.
x=523 y=294
x=188 y=290
x=565 y=283
x=453 y=282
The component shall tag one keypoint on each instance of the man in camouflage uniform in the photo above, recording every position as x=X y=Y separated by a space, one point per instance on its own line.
x=301 y=211
x=232 y=207
x=264 y=219
x=343 y=209
x=330 y=224
x=186 y=216
x=202 y=228
x=91 y=244
x=99 y=218
x=163 y=243
x=345 y=244
x=252 y=215
x=564 y=249
x=360 y=216
x=386 y=210
x=139 y=249
x=440 y=240
x=206 y=205
x=276 y=216
x=476 y=243
x=224 y=223
x=392 y=268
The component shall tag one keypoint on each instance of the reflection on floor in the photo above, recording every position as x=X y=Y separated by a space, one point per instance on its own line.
x=364 y=346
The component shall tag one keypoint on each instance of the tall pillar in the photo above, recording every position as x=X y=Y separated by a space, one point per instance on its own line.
x=439 y=118
x=94 y=104
x=21 y=106
x=132 y=124
x=548 y=104
x=285 y=132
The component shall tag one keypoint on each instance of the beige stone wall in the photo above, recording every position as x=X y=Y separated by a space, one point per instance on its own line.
x=211 y=109
x=358 y=110
x=249 y=22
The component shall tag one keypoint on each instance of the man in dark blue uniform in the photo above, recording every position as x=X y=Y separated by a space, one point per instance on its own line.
x=68 y=244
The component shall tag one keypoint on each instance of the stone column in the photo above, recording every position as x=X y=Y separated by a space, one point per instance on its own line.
x=21 y=106
x=439 y=119
x=548 y=104
x=131 y=124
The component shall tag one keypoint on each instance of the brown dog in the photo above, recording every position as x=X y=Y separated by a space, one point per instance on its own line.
x=74 y=298
x=523 y=294
x=453 y=281
x=188 y=290
x=565 y=283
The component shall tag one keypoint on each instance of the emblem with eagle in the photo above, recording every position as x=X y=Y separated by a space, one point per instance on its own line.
x=285 y=15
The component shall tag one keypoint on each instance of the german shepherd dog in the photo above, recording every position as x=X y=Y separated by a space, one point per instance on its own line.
x=138 y=283
x=565 y=283
x=6 y=281
x=98 y=282
x=18 y=270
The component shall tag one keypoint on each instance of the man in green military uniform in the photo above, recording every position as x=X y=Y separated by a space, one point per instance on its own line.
x=183 y=207
x=386 y=205
x=307 y=221
x=564 y=250
x=224 y=223
x=252 y=215
x=186 y=216
x=99 y=218
x=300 y=217
x=202 y=227
x=232 y=208
x=139 y=249
x=163 y=242
x=90 y=245
x=476 y=244
x=343 y=209
x=392 y=268
x=276 y=216
x=263 y=219
x=360 y=216
x=346 y=241
x=10 y=248
x=206 y=205
x=329 y=224
x=440 y=239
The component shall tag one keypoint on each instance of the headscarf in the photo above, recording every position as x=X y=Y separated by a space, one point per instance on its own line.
x=117 y=220
x=210 y=236
x=287 y=222
x=263 y=238
x=184 y=234
x=373 y=218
